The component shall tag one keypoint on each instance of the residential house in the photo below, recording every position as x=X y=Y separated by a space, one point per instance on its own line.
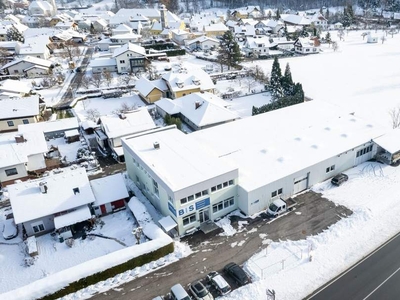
x=184 y=83
x=11 y=46
x=318 y=20
x=268 y=26
x=295 y=20
x=16 y=111
x=39 y=8
x=129 y=14
x=120 y=39
x=115 y=127
x=56 y=202
x=65 y=25
x=130 y=58
x=19 y=154
x=202 y=43
x=247 y=12
x=306 y=46
x=179 y=36
x=23 y=66
x=214 y=30
x=233 y=169
x=198 y=110
x=36 y=46
x=51 y=129
x=99 y=25
x=258 y=46
x=110 y=193
x=11 y=88
x=99 y=65
x=121 y=29
x=151 y=91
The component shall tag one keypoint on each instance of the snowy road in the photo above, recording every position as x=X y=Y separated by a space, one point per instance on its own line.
x=375 y=277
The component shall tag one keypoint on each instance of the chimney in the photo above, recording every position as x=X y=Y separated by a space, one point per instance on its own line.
x=156 y=145
x=197 y=104
x=19 y=138
x=43 y=187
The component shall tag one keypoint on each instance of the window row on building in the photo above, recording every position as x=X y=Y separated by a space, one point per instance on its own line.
x=277 y=193
x=192 y=197
x=364 y=151
x=222 y=186
x=330 y=169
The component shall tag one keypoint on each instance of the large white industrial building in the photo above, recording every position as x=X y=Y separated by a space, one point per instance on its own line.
x=248 y=163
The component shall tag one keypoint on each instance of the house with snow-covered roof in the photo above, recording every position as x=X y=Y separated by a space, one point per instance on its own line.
x=130 y=58
x=214 y=30
x=247 y=12
x=51 y=129
x=30 y=66
x=121 y=29
x=306 y=46
x=114 y=127
x=120 y=39
x=183 y=83
x=258 y=46
x=11 y=88
x=99 y=65
x=202 y=43
x=16 y=111
x=55 y=202
x=110 y=193
x=198 y=110
x=151 y=91
x=20 y=153
x=179 y=36
x=36 y=46
x=295 y=20
x=322 y=141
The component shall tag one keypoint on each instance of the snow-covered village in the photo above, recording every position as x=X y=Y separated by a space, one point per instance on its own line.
x=199 y=149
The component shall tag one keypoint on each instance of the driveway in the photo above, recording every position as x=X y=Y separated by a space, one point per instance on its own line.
x=213 y=252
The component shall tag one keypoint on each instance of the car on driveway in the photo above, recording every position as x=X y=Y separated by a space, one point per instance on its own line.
x=200 y=292
x=219 y=283
x=339 y=179
x=10 y=230
x=236 y=272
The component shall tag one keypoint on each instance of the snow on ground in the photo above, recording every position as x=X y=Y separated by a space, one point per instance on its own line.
x=68 y=150
x=310 y=263
x=360 y=77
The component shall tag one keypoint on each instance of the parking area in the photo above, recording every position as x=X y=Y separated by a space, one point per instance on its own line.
x=212 y=251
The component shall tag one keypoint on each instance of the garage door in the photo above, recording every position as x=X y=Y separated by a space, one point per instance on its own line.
x=300 y=184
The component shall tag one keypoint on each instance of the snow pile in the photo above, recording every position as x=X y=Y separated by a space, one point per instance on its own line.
x=225 y=224
x=139 y=211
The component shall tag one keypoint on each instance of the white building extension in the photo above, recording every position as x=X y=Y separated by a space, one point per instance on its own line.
x=274 y=158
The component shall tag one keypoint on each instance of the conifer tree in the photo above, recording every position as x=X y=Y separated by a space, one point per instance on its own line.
x=14 y=35
x=287 y=81
x=229 y=51
x=275 y=80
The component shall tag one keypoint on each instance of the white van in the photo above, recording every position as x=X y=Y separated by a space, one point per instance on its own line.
x=219 y=283
x=179 y=293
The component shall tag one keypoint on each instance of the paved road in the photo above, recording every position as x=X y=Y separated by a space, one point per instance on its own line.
x=376 y=277
x=212 y=251
x=67 y=98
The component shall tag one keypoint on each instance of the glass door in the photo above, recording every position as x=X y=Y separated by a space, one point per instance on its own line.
x=204 y=215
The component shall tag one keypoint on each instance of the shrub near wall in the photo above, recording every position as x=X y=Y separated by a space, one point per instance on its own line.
x=111 y=272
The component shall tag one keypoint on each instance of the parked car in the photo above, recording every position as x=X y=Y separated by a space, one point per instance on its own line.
x=10 y=230
x=339 y=179
x=219 y=283
x=179 y=293
x=200 y=292
x=280 y=206
x=158 y=298
x=237 y=273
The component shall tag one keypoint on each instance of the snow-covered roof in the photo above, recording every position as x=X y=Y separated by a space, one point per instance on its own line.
x=67 y=190
x=178 y=161
x=14 y=86
x=71 y=133
x=129 y=47
x=100 y=62
x=50 y=126
x=145 y=86
x=20 y=107
x=108 y=189
x=80 y=214
x=86 y=124
x=133 y=122
x=210 y=109
x=295 y=19
x=263 y=41
x=187 y=78
x=202 y=39
x=122 y=28
x=390 y=141
x=30 y=59
x=216 y=27
x=147 y=12
x=13 y=153
x=167 y=223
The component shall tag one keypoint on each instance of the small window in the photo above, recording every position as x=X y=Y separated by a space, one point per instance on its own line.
x=122 y=61
x=11 y=172
x=38 y=227
x=205 y=192
x=332 y=167
x=280 y=191
x=10 y=123
x=213 y=189
x=189 y=219
x=225 y=184
x=219 y=186
x=198 y=195
x=25 y=121
x=273 y=194
x=183 y=200
x=190 y=198
x=76 y=190
x=327 y=170
x=231 y=182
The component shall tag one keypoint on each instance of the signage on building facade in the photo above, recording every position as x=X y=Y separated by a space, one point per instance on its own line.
x=191 y=208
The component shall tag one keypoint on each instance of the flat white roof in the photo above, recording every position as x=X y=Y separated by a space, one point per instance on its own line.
x=179 y=162
x=20 y=107
x=76 y=216
x=136 y=121
x=274 y=145
x=29 y=203
x=13 y=153
x=390 y=141
x=50 y=126
x=167 y=223
x=108 y=189
x=72 y=132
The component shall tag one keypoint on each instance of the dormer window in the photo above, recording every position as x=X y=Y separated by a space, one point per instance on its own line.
x=179 y=84
x=196 y=81
x=76 y=190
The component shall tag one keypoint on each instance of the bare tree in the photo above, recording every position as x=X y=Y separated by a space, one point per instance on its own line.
x=70 y=50
x=92 y=114
x=96 y=80
x=125 y=79
x=125 y=107
x=107 y=76
x=335 y=46
x=85 y=81
x=340 y=34
x=383 y=39
x=250 y=82
x=364 y=34
x=394 y=114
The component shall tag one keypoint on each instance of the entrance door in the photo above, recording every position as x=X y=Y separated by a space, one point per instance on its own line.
x=103 y=209
x=204 y=215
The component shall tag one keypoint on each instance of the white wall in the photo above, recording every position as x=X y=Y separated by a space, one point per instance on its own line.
x=20 y=169
x=36 y=162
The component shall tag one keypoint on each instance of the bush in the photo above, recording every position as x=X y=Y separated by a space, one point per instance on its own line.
x=111 y=272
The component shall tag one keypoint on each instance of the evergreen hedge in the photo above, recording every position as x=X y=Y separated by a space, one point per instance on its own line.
x=111 y=272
